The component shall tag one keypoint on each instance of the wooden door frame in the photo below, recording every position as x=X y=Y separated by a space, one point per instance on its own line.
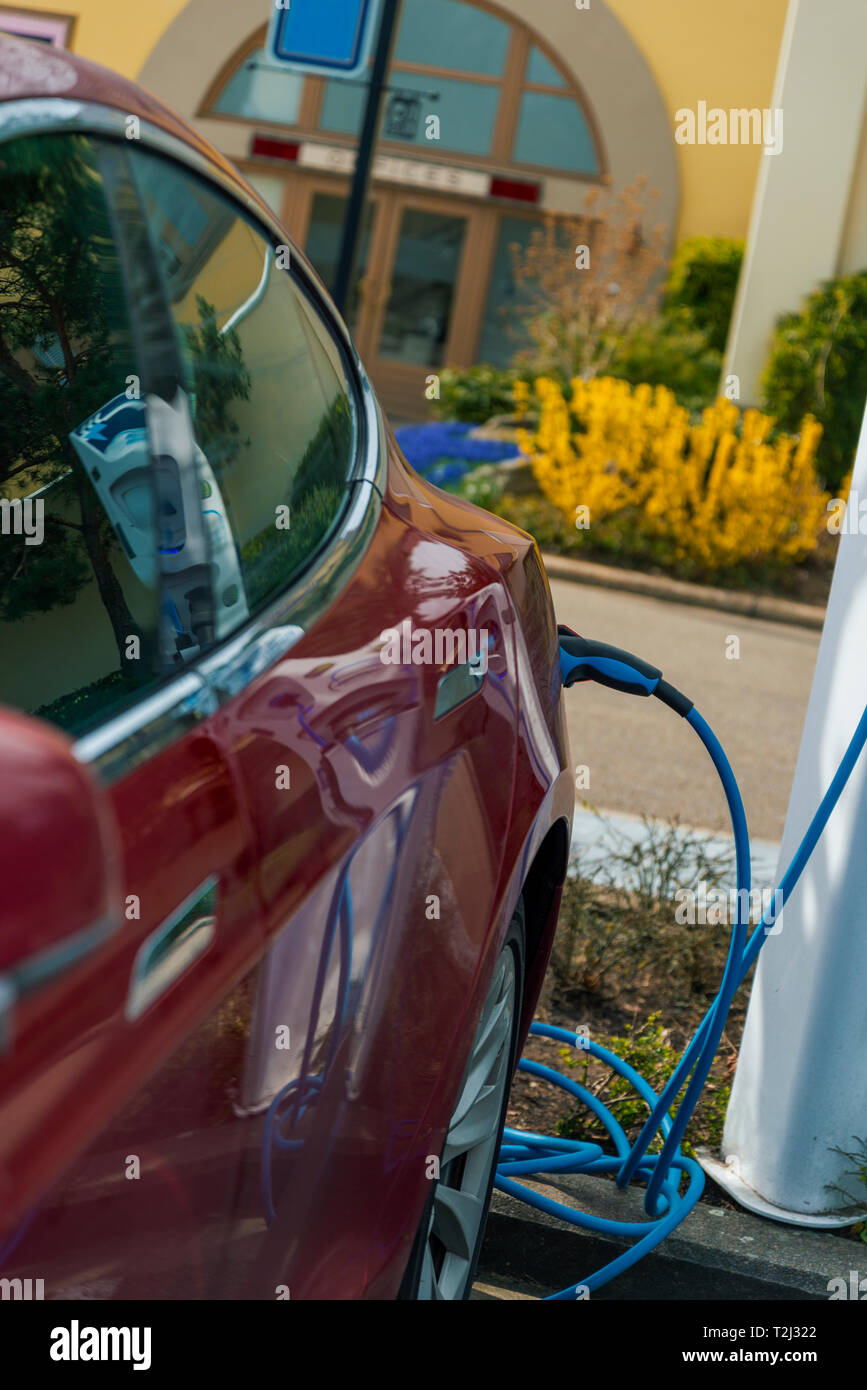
x=397 y=379
x=301 y=189
x=471 y=283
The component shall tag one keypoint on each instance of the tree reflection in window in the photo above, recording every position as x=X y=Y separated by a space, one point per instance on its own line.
x=77 y=623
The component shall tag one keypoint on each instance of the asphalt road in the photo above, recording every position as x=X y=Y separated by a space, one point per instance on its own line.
x=641 y=758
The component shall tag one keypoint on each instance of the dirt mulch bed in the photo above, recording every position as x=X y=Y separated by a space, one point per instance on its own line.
x=625 y=995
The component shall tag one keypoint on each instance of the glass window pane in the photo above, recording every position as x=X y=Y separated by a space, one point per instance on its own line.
x=262 y=93
x=79 y=599
x=343 y=106
x=502 y=335
x=540 y=70
x=273 y=410
x=418 y=313
x=552 y=131
x=450 y=34
x=325 y=238
x=466 y=110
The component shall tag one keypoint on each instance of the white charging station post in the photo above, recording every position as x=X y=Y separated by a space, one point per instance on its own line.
x=800 y=1090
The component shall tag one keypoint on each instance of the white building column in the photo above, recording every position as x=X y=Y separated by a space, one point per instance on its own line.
x=802 y=195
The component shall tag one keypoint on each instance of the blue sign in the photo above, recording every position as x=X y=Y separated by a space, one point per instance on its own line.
x=328 y=37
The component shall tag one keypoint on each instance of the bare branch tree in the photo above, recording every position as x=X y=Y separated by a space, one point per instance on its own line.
x=585 y=280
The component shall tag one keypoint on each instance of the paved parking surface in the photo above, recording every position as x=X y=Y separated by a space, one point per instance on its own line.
x=641 y=758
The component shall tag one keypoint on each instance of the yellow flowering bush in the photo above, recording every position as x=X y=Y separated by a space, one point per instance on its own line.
x=711 y=496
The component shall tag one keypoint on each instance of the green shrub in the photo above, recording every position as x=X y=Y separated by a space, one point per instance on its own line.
x=680 y=348
x=702 y=282
x=668 y=351
x=474 y=394
x=818 y=363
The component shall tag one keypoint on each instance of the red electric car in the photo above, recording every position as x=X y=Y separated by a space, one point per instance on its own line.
x=285 y=807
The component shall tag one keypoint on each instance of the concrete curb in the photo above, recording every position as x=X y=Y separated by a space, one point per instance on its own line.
x=777 y=610
x=716 y=1254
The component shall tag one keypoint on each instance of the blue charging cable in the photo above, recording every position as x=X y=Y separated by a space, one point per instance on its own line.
x=528 y=1154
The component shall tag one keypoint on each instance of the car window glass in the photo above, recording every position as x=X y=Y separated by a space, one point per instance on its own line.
x=78 y=576
x=272 y=407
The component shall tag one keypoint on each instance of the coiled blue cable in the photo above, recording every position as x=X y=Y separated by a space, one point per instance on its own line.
x=525 y=1154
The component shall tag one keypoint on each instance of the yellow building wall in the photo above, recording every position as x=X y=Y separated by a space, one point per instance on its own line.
x=725 y=55
x=698 y=50
x=117 y=33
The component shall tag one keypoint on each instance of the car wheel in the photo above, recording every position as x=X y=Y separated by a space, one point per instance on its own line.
x=446 y=1250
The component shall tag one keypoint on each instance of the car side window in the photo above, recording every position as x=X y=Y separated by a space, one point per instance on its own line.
x=79 y=597
x=273 y=408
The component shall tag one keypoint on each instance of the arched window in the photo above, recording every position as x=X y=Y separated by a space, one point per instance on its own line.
x=500 y=95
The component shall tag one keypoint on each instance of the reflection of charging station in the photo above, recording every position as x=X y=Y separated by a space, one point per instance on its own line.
x=115 y=451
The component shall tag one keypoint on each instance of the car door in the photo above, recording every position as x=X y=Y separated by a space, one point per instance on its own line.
x=109 y=1064
x=368 y=703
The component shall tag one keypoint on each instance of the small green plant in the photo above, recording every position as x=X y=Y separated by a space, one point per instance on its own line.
x=645 y=1047
x=625 y=919
x=586 y=947
x=620 y=950
x=859 y=1158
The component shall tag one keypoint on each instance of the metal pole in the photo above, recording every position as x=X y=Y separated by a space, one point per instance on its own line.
x=364 y=161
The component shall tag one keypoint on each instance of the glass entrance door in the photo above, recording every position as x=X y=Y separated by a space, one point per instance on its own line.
x=426 y=313
x=324 y=240
x=417 y=293
x=421 y=294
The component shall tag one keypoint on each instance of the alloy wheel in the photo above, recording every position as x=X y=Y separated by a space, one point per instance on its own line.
x=460 y=1200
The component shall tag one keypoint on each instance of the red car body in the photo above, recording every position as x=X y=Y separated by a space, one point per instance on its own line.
x=134 y=1138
